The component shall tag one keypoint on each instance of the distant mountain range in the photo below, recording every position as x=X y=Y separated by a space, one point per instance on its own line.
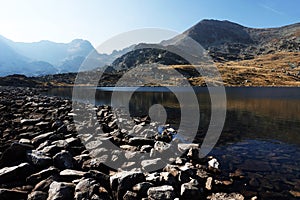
x=224 y=41
x=46 y=57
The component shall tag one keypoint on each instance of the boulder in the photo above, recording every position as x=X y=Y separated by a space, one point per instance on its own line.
x=44 y=185
x=161 y=146
x=61 y=191
x=142 y=188
x=30 y=121
x=182 y=147
x=37 y=177
x=41 y=138
x=14 y=154
x=15 y=173
x=124 y=181
x=129 y=195
x=100 y=177
x=63 y=160
x=24 y=141
x=38 y=158
x=11 y=194
x=152 y=164
x=37 y=195
x=70 y=174
x=85 y=189
x=191 y=191
x=164 y=192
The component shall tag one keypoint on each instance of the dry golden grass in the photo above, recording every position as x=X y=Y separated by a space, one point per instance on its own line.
x=279 y=69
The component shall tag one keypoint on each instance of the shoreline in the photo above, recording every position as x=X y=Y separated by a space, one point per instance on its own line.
x=40 y=144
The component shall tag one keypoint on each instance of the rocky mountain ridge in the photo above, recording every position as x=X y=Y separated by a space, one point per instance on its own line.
x=223 y=40
x=46 y=57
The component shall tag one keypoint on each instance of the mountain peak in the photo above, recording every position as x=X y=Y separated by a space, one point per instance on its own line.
x=214 y=32
x=80 y=41
x=217 y=22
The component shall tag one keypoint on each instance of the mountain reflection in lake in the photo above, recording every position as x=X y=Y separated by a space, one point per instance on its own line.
x=261 y=135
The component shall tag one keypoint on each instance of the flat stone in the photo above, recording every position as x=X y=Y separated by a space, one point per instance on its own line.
x=128 y=147
x=208 y=184
x=129 y=195
x=182 y=147
x=96 y=163
x=10 y=194
x=72 y=173
x=295 y=193
x=37 y=177
x=30 y=121
x=43 y=185
x=41 y=138
x=73 y=141
x=37 y=195
x=165 y=192
x=38 y=158
x=137 y=128
x=52 y=149
x=60 y=143
x=14 y=173
x=152 y=164
x=43 y=124
x=225 y=196
x=80 y=159
x=61 y=191
x=161 y=146
x=146 y=148
x=24 y=141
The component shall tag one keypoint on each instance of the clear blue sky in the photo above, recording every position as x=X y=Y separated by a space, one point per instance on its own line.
x=98 y=20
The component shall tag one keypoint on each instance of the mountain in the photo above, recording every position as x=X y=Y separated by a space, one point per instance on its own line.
x=46 y=57
x=51 y=52
x=223 y=40
x=11 y=62
x=230 y=41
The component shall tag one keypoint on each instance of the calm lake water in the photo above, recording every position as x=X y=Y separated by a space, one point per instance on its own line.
x=261 y=135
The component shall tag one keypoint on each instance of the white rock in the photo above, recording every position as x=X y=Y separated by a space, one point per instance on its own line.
x=213 y=163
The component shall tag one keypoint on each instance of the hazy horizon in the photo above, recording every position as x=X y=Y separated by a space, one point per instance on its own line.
x=98 y=21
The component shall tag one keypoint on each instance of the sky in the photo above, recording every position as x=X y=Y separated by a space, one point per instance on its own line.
x=99 y=20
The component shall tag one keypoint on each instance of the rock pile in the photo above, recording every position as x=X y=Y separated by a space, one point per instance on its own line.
x=45 y=156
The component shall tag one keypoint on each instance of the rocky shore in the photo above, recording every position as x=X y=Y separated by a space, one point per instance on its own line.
x=45 y=156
